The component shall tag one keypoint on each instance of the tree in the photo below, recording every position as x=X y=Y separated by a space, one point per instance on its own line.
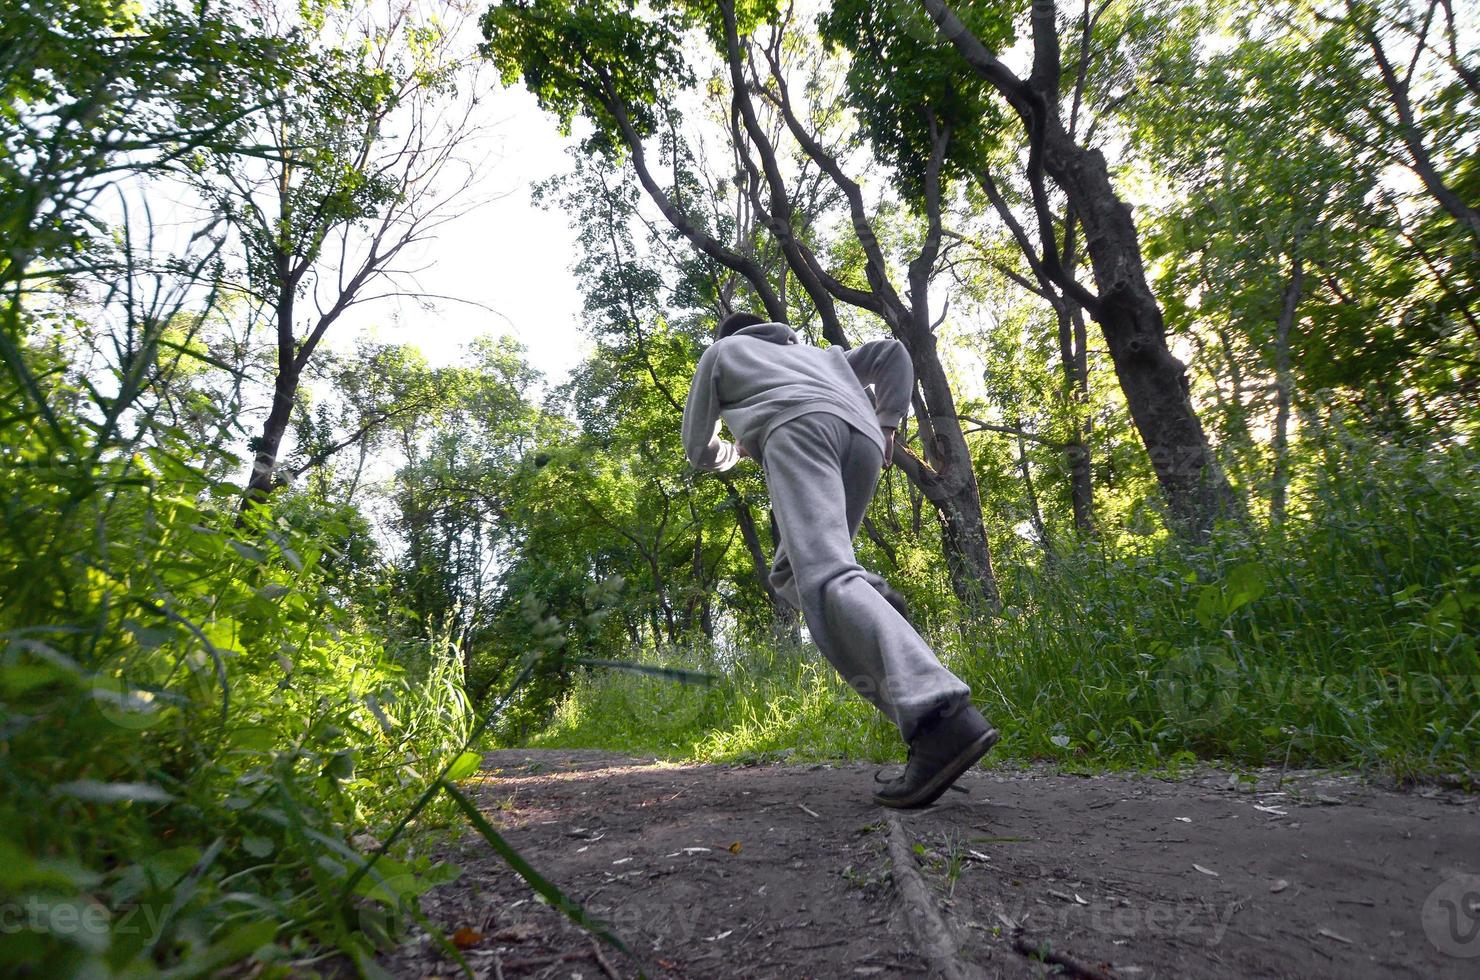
x=1154 y=382
x=1288 y=255
x=97 y=90
x=920 y=156
x=456 y=489
x=1429 y=107
x=360 y=153
x=647 y=347
x=1269 y=207
x=921 y=85
x=374 y=393
x=617 y=68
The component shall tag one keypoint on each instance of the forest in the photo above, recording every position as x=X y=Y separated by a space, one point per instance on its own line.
x=1189 y=289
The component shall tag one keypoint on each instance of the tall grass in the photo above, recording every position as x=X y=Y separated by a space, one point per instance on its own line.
x=196 y=738
x=211 y=752
x=1346 y=637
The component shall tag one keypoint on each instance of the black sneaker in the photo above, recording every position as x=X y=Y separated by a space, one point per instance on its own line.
x=944 y=748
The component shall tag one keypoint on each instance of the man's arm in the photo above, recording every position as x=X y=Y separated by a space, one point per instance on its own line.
x=701 y=421
x=885 y=364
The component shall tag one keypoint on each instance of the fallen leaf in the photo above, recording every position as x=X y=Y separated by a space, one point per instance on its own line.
x=621 y=860
x=1207 y=871
x=1183 y=819
x=517 y=933
x=1334 y=935
x=466 y=937
x=1279 y=886
x=1271 y=809
x=735 y=848
x=809 y=811
x=712 y=939
x=1079 y=900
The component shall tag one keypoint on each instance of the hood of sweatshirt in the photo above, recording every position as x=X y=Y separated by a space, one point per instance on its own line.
x=776 y=333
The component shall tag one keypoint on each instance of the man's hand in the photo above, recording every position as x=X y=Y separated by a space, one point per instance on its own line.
x=888 y=448
x=740 y=451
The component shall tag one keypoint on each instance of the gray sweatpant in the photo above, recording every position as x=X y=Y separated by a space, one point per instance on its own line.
x=821 y=474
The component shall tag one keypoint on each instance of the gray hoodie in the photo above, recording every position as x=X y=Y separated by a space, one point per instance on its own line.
x=761 y=376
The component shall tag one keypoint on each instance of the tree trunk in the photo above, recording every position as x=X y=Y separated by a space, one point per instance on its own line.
x=1073 y=350
x=269 y=443
x=1284 y=383
x=1154 y=381
x=284 y=389
x=1035 y=512
x=949 y=479
x=784 y=615
x=1072 y=354
x=948 y=467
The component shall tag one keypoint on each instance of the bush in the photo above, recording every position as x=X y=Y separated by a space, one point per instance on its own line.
x=1345 y=637
x=199 y=739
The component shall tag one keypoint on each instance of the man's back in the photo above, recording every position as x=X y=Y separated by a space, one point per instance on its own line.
x=761 y=377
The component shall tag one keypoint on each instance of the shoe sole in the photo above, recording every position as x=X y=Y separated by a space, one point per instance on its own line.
x=944 y=777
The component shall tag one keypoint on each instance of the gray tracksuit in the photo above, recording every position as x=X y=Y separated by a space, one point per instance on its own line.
x=805 y=414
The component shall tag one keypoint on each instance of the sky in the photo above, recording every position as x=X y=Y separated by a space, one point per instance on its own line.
x=509 y=257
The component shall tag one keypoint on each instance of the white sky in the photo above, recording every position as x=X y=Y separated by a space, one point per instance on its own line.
x=507 y=254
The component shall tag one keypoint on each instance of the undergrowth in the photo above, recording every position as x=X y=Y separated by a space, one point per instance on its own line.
x=199 y=743
x=1344 y=638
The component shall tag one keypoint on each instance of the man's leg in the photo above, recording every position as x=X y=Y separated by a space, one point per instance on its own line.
x=820 y=483
x=784 y=581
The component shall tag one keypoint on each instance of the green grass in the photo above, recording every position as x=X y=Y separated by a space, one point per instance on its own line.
x=771 y=702
x=1345 y=639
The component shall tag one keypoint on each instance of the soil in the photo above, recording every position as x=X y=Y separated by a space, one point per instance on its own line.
x=783 y=871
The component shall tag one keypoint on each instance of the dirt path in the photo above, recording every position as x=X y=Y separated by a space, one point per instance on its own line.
x=785 y=871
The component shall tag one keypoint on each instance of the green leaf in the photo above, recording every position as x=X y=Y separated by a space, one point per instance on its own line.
x=259 y=738
x=341 y=764
x=235 y=946
x=464 y=766
x=247 y=551
x=1209 y=608
x=1244 y=584
x=258 y=847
